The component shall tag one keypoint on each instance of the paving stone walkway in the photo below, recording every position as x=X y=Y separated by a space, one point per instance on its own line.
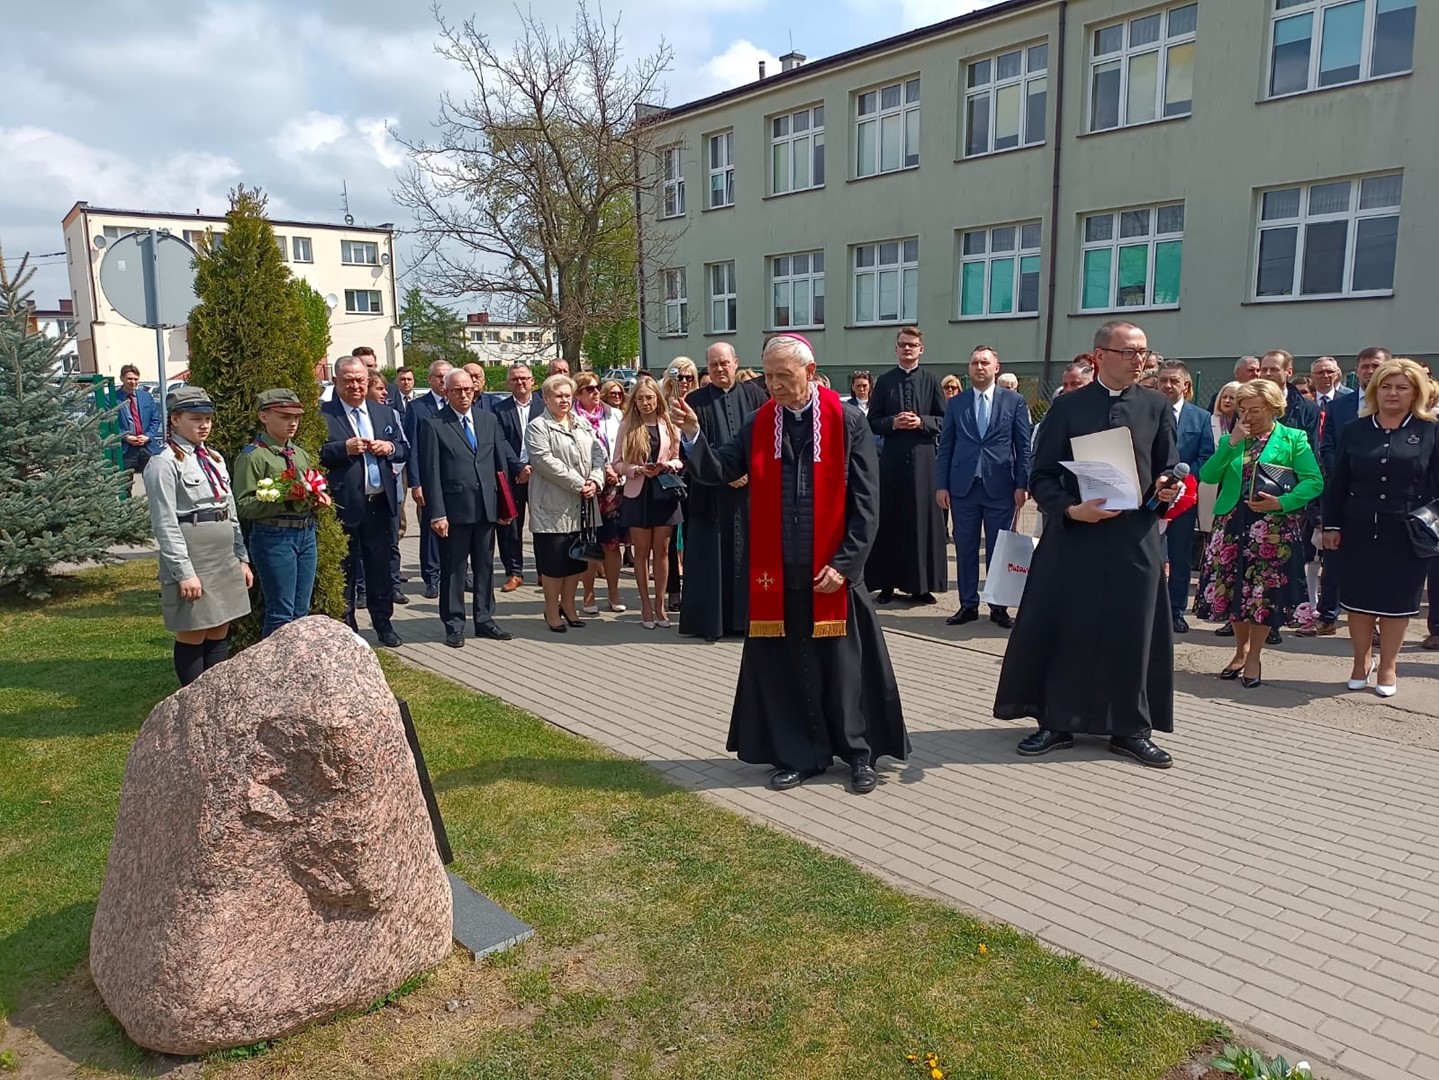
x=1282 y=877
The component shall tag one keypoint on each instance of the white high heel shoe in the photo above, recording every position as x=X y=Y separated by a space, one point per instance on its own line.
x=1360 y=684
x=1386 y=691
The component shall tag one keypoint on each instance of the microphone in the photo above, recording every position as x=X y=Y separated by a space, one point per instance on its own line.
x=1180 y=472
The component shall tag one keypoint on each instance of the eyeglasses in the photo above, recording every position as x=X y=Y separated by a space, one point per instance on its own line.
x=1129 y=354
x=589 y=389
x=909 y=345
x=684 y=378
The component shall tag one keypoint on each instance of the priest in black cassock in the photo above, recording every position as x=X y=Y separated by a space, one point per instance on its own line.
x=716 y=599
x=815 y=681
x=906 y=409
x=1092 y=651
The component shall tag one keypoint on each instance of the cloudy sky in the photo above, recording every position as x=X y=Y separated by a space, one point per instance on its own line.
x=167 y=104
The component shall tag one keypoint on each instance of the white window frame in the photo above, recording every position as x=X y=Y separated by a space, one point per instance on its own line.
x=194 y=237
x=283 y=243
x=358 y=252
x=674 y=296
x=672 y=182
x=723 y=289
x=812 y=279
x=900 y=265
x=1016 y=254
x=876 y=114
x=112 y=232
x=723 y=171
x=1126 y=56
x=373 y=302
x=1353 y=215
x=1316 y=9
x=300 y=244
x=812 y=137
x=993 y=85
x=1153 y=238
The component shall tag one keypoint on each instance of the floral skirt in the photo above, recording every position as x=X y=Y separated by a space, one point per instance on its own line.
x=611 y=534
x=1248 y=574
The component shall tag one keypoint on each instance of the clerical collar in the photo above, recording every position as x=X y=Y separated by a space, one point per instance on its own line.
x=799 y=413
x=1112 y=391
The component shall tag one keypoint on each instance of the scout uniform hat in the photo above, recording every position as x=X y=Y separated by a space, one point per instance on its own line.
x=188 y=399
x=281 y=400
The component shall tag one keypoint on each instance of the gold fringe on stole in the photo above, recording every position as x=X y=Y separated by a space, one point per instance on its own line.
x=831 y=628
x=767 y=629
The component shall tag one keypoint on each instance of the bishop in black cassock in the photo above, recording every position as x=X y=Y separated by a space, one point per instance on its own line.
x=1092 y=650
x=809 y=690
x=910 y=553
x=716 y=591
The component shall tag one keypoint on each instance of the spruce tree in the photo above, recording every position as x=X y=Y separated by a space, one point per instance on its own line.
x=255 y=329
x=62 y=497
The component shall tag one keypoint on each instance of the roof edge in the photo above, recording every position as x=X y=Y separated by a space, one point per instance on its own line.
x=122 y=212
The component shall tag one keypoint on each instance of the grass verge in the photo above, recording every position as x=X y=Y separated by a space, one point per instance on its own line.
x=673 y=939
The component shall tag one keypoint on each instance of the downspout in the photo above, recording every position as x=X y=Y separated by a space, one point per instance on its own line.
x=1044 y=372
x=640 y=260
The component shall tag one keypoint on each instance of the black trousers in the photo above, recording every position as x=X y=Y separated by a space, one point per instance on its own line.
x=370 y=553
x=429 y=550
x=512 y=536
x=467 y=546
x=1329 y=586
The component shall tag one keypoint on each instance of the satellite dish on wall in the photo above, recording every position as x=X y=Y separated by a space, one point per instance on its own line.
x=332 y=301
x=99 y=241
x=349 y=219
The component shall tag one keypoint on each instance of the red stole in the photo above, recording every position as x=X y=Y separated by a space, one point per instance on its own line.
x=766 y=525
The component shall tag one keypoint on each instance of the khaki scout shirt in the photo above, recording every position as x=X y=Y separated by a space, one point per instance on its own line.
x=261 y=459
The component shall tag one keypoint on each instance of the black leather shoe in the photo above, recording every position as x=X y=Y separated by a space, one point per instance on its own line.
x=494 y=633
x=399 y=597
x=432 y=592
x=1142 y=751
x=455 y=640
x=924 y=598
x=1231 y=673
x=1180 y=625
x=962 y=616
x=885 y=596
x=785 y=779
x=1043 y=741
x=1227 y=630
x=388 y=638
x=862 y=778
x=1274 y=637
x=1254 y=683
x=1000 y=617
x=362 y=599
x=403 y=579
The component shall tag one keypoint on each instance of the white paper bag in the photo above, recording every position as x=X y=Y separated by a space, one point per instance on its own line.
x=1009 y=569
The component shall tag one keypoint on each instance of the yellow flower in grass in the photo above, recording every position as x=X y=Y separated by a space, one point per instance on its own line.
x=936 y=1074
x=983 y=949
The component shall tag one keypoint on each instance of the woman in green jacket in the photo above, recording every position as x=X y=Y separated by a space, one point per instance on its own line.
x=1266 y=475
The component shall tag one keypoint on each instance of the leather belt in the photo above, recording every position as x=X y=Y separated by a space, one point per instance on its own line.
x=198 y=517
x=287 y=522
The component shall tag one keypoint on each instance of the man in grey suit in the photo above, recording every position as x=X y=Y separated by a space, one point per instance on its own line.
x=462 y=455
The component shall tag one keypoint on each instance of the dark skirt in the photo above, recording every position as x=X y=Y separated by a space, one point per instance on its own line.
x=1379 y=574
x=552 y=555
x=651 y=508
x=1250 y=571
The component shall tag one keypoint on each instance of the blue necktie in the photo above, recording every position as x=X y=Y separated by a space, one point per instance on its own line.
x=981 y=415
x=372 y=465
x=469 y=435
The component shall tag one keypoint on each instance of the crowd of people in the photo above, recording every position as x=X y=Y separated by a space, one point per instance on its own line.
x=1296 y=503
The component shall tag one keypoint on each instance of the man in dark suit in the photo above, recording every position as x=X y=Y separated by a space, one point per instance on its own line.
x=463 y=454
x=982 y=473
x=1343 y=409
x=363 y=439
x=514 y=413
x=1328 y=380
x=1196 y=446
x=423 y=409
x=1277 y=365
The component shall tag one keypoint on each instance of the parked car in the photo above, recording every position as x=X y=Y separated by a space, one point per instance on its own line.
x=625 y=376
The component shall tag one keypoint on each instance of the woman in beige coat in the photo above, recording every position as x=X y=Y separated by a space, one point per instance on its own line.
x=567 y=466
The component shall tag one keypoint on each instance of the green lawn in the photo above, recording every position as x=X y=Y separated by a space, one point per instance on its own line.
x=673 y=939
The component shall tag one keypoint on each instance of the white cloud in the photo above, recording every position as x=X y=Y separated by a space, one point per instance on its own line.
x=737 y=65
x=309 y=134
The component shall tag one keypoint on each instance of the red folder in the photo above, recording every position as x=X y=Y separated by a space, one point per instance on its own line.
x=508 y=510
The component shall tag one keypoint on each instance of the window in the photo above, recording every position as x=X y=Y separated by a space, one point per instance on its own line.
x=195 y=238
x=359 y=253
x=64 y=327
x=674 y=183
x=492 y=337
x=1132 y=258
x=1005 y=99
x=284 y=246
x=724 y=300
x=675 y=301
x=887 y=128
x=797 y=291
x=999 y=271
x=301 y=247
x=721 y=159
x=1143 y=69
x=1319 y=43
x=1337 y=238
x=477 y=336
x=796 y=150
x=362 y=301
x=886 y=281
x=112 y=232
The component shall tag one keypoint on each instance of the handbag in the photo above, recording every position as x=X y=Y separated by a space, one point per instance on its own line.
x=1423 y=525
x=671 y=486
x=586 y=547
x=1270 y=479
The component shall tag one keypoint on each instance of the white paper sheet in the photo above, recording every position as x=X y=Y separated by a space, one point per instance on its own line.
x=1104 y=465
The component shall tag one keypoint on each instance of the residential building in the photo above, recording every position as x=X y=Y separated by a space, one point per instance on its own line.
x=352 y=266
x=56 y=323
x=495 y=342
x=1233 y=176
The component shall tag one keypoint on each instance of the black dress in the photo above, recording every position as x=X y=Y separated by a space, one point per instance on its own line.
x=801 y=701
x=910 y=552
x=653 y=507
x=1092 y=650
x=1378 y=477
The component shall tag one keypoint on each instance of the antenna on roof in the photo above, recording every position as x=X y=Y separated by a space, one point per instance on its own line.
x=345 y=202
